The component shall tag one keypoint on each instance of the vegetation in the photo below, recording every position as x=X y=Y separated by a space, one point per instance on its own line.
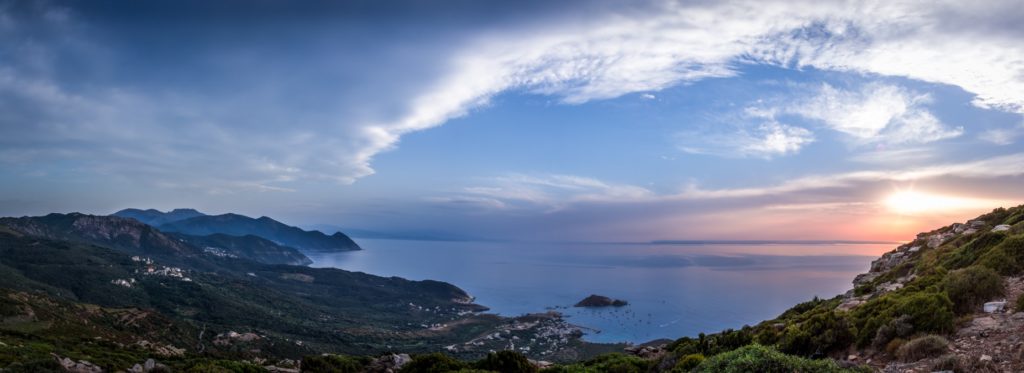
x=65 y=284
x=970 y=287
x=757 y=358
x=923 y=347
x=506 y=362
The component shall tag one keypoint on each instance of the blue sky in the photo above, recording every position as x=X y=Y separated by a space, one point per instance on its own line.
x=524 y=120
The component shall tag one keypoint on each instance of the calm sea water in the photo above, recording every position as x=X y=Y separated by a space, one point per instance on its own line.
x=672 y=290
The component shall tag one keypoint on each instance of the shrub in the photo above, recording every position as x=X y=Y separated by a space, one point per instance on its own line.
x=923 y=347
x=895 y=329
x=820 y=334
x=618 y=363
x=929 y=312
x=331 y=363
x=1020 y=303
x=688 y=362
x=227 y=366
x=970 y=287
x=433 y=363
x=506 y=362
x=970 y=253
x=757 y=358
x=926 y=311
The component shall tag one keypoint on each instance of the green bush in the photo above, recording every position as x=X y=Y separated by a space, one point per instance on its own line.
x=433 y=363
x=1020 y=303
x=928 y=311
x=757 y=358
x=688 y=362
x=970 y=253
x=506 y=362
x=228 y=366
x=895 y=329
x=820 y=334
x=333 y=364
x=617 y=363
x=922 y=347
x=1007 y=258
x=970 y=287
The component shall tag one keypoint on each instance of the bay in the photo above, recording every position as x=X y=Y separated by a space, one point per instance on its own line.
x=673 y=290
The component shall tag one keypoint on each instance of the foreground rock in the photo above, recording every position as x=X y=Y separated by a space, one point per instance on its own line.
x=595 y=300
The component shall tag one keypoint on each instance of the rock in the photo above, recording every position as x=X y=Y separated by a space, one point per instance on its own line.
x=80 y=366
x=848 y=304
x=389 y=363
x=979 y=326
x=595 y=300
x=1001 y=228
x=852 y=357
x=149 y=365
x=985 y=358
x=541 y=364
x=993 y=307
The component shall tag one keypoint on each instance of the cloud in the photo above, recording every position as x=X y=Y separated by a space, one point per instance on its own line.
x=550 y=192
x=607 y=53
x=1002 y=136
x=556 y=192
x=877 y=113
x=676 y=43
x=1000 y=166
x=765 y=140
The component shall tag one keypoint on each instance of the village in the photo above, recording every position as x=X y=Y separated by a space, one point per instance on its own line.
x=150 y=268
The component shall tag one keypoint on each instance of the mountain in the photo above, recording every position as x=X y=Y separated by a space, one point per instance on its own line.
x=250 y=247
x=134 y=237
x=240 y=225
x=73 y=285
x=128 y=235
x=156 y=217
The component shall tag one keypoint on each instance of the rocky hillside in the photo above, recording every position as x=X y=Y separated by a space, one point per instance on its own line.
x=249 y=247
x=128 y=235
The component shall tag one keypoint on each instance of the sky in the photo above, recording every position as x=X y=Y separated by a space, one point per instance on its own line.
x=525 y=120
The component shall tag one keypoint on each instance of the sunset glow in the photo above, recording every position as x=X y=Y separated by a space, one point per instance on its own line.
x=912 y=202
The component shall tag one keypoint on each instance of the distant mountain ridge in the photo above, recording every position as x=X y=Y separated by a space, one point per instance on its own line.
x=155 y=217
x=134 y=237
x=195 y=223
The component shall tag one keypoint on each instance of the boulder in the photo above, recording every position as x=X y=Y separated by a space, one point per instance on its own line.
x=1001 y=228
x=993 y=307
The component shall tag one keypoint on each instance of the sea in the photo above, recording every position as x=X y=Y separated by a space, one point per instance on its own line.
x=674 y=289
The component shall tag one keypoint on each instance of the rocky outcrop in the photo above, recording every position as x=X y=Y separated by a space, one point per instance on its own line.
x=595 y=300
x=80 y=366
x=389 y=363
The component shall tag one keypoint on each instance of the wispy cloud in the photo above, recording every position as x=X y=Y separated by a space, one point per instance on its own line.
x=621 y=50
x=766 y=140
x=877 y=113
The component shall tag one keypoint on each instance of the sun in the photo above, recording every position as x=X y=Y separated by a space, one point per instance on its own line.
x=912 y=202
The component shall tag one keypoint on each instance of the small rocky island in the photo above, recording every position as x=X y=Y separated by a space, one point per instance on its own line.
x=595 y=300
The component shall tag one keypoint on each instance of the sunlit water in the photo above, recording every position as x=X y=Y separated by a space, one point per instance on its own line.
x=672 y=290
